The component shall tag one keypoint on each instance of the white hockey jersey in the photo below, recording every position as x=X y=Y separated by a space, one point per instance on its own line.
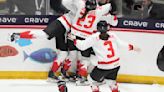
x=106 y=51
x=66 y=19
x=84 y=27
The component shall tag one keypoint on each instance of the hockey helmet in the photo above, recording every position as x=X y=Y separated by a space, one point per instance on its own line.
x=90 y=4
x=102 y=26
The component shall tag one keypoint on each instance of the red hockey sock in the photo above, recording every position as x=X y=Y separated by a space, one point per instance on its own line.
x=62 y=88
x=82 y=72
x=67 y=64
x=55 y=66
x=95 y=88
x=114 y=88
x=79 y=65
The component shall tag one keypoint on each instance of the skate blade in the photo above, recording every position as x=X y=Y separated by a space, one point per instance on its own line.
x=79 y=83
x=62 y=78
x=72 y=80
x=66 y=80
x=52 y=80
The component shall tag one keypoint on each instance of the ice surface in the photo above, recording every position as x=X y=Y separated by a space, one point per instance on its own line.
x=43 y=86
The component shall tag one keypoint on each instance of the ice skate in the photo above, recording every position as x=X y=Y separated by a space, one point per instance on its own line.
x=82 y=82
x=65 y=75
x=63 y=78
x=52 y=77
x=73 y=77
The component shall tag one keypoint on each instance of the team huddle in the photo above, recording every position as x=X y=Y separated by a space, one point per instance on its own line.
x=81 y=32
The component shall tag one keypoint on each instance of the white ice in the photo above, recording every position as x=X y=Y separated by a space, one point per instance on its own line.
x=43 y=86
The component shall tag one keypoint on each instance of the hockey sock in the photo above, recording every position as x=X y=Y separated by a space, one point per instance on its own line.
x=60 y=58
x=65 y=68
x=62 y=86
x=66 y=64
x=82 y=72
x=113 y=85
x=55 y=66
x=94 y=87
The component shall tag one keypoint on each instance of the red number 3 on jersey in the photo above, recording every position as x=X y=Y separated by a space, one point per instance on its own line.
x=110 y=48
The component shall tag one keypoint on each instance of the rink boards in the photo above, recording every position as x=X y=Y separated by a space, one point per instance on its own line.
x=135 y=67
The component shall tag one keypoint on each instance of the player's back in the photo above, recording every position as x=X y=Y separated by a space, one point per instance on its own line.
x=84 y=27
x=106 y=49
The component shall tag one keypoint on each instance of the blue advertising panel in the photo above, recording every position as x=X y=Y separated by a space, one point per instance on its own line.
x=45 y=19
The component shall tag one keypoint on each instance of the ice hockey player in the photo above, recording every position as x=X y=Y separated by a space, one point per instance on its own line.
x=83 y=25
x=57 y=29
x=106 y=46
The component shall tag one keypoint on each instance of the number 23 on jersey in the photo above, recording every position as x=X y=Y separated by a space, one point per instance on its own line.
x=89 y=20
